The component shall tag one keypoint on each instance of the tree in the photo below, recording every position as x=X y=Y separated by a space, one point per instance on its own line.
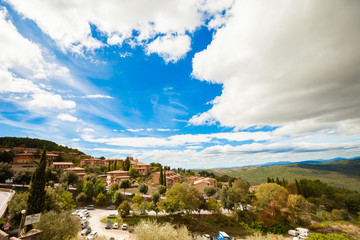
x=18 y=203
x=225 y=199
x=53 y=199
x=113 y=188
x=70 y=178
x=89 y=190
x=230 y=182
x=22 y=177
x=81 y=198
x=143 y=188
x=133 y=172
x=213 y=205
x=36 y=201
x=268 y=192
x=124 y=209
x=5 y=171
x=58 y=226
x=51 y=175
x=6 y=156
x=164 y=181
x=99 y=187
x=68 y=202
x=125 y=183
x=240 y=190
x=117 y=198
x=151 y=230
x=161 y=189
x=209 y=190
x=161 y=177
x=155 y=197
x=127 y=164
x=100 y=199
x=298 y=210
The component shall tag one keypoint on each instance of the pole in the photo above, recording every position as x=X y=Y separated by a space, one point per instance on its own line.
x=21 y=222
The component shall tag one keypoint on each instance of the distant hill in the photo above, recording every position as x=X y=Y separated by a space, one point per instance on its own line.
x=10 y=142
x=343 y=173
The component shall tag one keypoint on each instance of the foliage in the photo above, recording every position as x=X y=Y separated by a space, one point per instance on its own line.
x=22 y=177
x=36 y=200
x=209 y=190
x=58 y=225
x=150 y=230
x=6 y=156
x=155 y=197
x=117 y=198
x=133 y=172
x=113 y=188
x=213 y=205
x=70 y=178
x=51 y=175
x=143 y=188
x=53 y=199
x=34 y=143
x=268 y=192
x=137 y=199
x=100 y=199
x=18 y=203
x=225 y=198
x=99 y=187
x=81 y=198
x=127 y=164
x=68 y=202
x=297 y=210
x=91 y=177
x=88 y=189
x=161 y=189
x=5 y=171
x=125 y=183
x=161 y=177
x=124 y=209
x=258 y=236
x=330 y=236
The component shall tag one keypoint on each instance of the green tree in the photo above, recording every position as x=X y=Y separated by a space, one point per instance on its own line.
x=36 y=201
x=213 y=205
x=209 y=190
x=297 y=210
x=143 y=188
x=117 y=198
x=22 y=177
x=127 y=164
x=164 y=181
x=6 y=156
x=133 y=172
x=81 y=198
x=89 y=190
x=58 y=226
x=18 y=203
x=161 y=177
x=99 y=187
x=53 y=199
x=124 y=209
x=70 y=178
x=125 y=183
x=100 y=199
x=161 y=189
x=155 y=197
x=113 y=188
x=225 y=198
x=68 y=202
x=5 y=171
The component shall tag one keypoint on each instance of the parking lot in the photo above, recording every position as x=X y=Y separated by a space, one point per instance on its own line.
x=95 y=224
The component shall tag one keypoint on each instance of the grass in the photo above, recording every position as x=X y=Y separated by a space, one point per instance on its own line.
x=343 y=174
x=210 y=224
x=118 y=219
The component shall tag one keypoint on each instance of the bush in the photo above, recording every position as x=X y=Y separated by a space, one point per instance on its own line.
x=330 y=236
x=101 y=199
x=81 y=198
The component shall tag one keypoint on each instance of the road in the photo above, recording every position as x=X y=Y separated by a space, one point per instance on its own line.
x=4 y=198
x=95 y=224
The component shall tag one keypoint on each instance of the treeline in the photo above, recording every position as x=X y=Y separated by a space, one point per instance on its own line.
x=11 y=142
x=223 y=178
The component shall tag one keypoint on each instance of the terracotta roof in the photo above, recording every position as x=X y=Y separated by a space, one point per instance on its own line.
x=63 y=163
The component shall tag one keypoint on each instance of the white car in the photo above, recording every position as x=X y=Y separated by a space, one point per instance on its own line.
x=85 y=214
x=92 y=235
x=116 y=225
x=82 y=212
x=206 y=236
x=124 y=226
x=75 y=212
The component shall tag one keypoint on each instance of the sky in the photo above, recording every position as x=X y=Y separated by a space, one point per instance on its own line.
x=187 y=83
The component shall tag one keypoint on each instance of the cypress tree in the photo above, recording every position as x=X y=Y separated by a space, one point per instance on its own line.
x=230 y=182
x=268 y=180
x=278 y=181
x=283 y=182
x=161 y=178
x=164 y=181
x=108 y=168
x=36 y=201
x=298 y=189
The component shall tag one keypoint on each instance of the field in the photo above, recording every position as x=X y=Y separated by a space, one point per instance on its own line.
x=343 y=174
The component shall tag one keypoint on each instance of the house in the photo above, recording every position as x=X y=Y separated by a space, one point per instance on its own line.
x=171 y=178
x=116 y=176
x=78 y=170
x=143 y=168
x=24 y=161
x=201 y=182
x=92 y=161
x=62 y=165
x=253 y=188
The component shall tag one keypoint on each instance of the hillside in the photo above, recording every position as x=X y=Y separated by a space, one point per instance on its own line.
x=344 y=173
x=10 y=142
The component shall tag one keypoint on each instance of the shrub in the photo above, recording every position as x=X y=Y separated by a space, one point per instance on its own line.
x=330 y=236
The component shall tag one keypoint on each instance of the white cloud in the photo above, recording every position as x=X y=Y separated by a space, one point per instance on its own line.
x=285 y=64
x=68 y=22
x=170 y=48
x=97 y=96
x=88 y=130
x=67 y=117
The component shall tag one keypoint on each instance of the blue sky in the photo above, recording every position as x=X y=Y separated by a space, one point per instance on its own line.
x=194 y=84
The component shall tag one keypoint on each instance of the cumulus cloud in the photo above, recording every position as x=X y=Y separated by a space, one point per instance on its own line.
x=67 y=117
x=22 y=66
x=286 y=64
x=69 y=23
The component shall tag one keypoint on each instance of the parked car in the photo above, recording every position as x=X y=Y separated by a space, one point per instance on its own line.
x=89 y=207
x=111 y=216
x=84 y=214
x=112 y=238
x=86 y=231
x=108 y=224
x=75 y=212
x=131 y=229
x=124 y=226
x=92 y=235
x=84 y=224
x=206 y=236
x=116 y=225
x=82 y=211
x=111 y=207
